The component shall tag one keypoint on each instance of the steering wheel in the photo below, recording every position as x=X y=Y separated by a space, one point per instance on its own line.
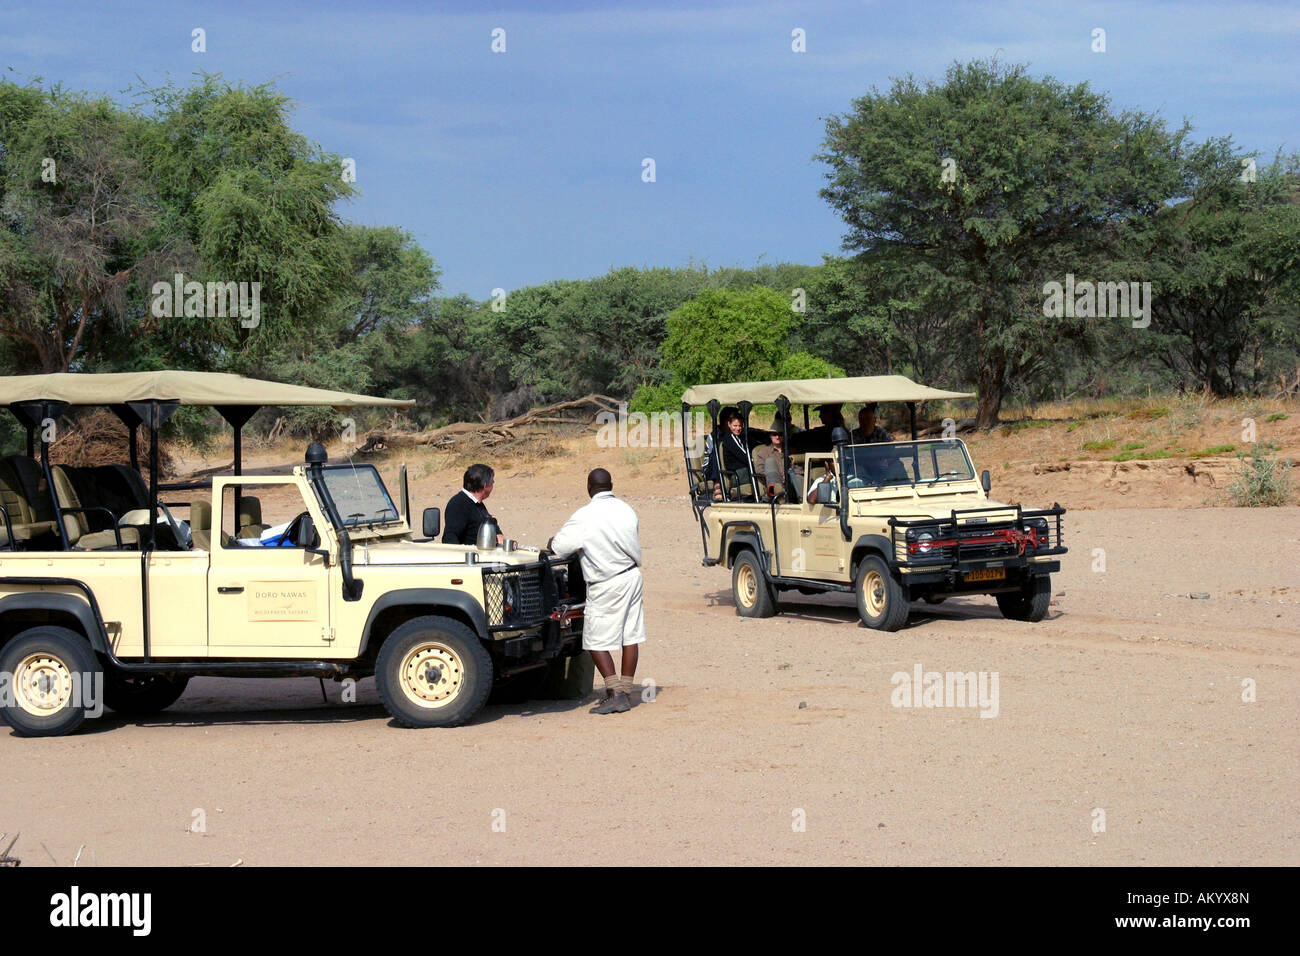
x=292 y=531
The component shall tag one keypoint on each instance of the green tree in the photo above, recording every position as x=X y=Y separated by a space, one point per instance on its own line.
x=252 y=200
x=77 y=210
x=982 y=188
x=723 y=335
x=1225 y=270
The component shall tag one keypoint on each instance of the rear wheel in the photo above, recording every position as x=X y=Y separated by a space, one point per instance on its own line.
x=882 y=602
x=139 y=695
x=1030 y=603
x=749 y=588
x=53 y=676
x=433 y=672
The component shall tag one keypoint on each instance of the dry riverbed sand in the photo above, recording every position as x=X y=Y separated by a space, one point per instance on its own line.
x=767 y=741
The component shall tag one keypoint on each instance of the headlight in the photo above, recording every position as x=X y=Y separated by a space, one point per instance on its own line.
x=921 y=540
x=1041 y=527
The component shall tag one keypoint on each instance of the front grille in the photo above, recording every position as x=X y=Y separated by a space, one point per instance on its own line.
x=525 y=596
x=514 y=597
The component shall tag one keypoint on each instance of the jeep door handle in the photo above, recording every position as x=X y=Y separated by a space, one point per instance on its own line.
x=805 y=531
x=230 y=590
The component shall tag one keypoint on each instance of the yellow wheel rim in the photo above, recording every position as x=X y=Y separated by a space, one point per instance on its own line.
x=873 y=589
x=747 y=585
x=42 y=684
x=432 y=675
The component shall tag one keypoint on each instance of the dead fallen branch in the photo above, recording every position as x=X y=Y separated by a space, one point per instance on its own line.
x=488 y=433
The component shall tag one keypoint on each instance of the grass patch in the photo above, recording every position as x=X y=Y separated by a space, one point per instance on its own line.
x=1028 y=423
x=1134 y=455
x=1147 y=414
x=1072 y=426
x=1211 y=452
x=1264 y=482
x=1277 y=417
x=1098 y=445
x=1133 y=446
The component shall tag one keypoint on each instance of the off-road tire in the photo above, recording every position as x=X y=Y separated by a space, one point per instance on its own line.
x=34 y=662
x=749 y=588
x=882 y=602
x=1029 y=603
x=138 y=695
x=461 y=673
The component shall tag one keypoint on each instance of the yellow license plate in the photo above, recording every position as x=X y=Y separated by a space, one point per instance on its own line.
x=985 y=574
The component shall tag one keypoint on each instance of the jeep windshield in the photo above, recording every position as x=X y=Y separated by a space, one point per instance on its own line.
x=906 y=463
x=359 y=495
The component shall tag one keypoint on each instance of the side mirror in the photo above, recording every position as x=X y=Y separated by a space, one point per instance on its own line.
x=432 y=522
x=986 y=481
x=304 y=535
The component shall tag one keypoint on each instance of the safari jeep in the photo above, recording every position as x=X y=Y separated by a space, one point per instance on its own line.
x=892 y=522
x=115 y=591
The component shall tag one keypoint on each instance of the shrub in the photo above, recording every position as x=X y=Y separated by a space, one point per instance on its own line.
x=1098 y=445
x=1264 y=482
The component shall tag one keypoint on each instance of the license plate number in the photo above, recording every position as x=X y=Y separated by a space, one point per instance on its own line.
x=986 y=574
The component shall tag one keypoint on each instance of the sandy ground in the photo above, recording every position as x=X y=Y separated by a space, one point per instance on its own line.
x=767 y=741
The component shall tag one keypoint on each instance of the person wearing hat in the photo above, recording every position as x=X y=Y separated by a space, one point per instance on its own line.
x=770 y=461
x=819 y=439
x=868 y=432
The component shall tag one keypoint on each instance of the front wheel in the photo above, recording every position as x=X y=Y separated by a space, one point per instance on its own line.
x=749 y=587
x=53 y=678
x=882 y=602
x=433 y=672
x=1030 y=603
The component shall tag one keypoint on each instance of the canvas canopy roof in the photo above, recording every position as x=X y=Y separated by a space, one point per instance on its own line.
x=188 y=388
x=820 y=391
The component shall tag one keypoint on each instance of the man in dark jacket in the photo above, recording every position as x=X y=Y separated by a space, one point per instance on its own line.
x=465 y=512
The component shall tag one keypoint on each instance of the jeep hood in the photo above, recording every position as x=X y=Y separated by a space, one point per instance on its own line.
x=376 y=553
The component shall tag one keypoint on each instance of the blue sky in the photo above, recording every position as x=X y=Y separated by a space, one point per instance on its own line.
x=519 y=167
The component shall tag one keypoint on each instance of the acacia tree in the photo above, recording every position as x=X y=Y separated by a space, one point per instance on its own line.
x=984 y=187
x=1225 y=264
x=254 y=200
x=77 y=208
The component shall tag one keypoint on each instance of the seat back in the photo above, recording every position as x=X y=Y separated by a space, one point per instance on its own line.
x=33 y=488
x=250 y=517
x=26 y=497
x=74 y=522
x=201 y=523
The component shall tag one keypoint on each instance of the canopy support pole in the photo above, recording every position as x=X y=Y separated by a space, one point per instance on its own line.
x=911 y=412
x=153 y=414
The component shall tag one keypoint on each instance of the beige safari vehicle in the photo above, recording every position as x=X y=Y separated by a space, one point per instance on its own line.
x=116 y=590
x=891 y=522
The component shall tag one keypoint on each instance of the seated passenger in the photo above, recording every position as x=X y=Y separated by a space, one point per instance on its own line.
x=819 y=439
x=734 y=454
x=868 y=432
x=825 y=490
x=770 y=460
